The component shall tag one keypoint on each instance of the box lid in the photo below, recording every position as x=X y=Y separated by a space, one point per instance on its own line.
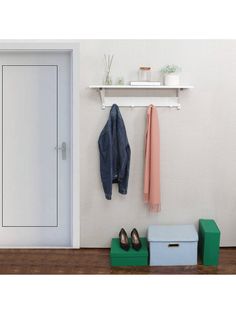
x=209 y=225
x=117 y=251
x=169 y=233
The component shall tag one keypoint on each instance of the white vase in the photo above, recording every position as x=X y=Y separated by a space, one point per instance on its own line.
x=172 y=79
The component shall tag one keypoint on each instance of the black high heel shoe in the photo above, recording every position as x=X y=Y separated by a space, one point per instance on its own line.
x=124 y=241
x=135 y=239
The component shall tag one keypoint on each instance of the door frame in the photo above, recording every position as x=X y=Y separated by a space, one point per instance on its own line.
x=73 y=48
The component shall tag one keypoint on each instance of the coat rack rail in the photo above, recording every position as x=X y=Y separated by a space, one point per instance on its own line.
x=177 y=106
x=169 y=102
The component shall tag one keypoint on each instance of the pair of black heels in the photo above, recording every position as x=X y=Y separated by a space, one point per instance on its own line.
x=135 y=240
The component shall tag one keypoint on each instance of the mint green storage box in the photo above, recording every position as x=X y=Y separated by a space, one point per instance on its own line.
x=209 y=242
x=120 y=257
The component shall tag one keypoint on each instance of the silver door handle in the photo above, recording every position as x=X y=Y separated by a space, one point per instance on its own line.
x=62 y=148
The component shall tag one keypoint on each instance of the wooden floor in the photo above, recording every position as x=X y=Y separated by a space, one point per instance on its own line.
x=96 y=261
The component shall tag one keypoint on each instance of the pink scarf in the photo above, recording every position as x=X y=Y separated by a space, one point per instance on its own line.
x=152 y=161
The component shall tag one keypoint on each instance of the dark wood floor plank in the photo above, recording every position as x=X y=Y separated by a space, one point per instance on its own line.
x=96 y=261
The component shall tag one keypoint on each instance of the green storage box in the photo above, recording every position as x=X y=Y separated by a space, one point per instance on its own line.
x=209 y=242
x=120 y=257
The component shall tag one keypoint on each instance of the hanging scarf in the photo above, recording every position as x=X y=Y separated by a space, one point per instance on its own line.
x=152 y=161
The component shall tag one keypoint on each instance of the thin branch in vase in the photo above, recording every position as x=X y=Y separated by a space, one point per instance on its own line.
x=108 y=59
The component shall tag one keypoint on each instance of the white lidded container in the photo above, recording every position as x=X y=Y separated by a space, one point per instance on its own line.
x=171 y=245
x=145 y=74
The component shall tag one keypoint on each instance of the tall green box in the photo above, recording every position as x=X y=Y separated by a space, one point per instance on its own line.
x=209 y=242
x=120 y=257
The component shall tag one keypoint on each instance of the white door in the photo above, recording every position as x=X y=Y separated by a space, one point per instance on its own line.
x=36 y=152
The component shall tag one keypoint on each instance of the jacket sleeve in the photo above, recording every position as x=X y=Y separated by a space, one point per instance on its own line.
x=124 y=157
x=104 y=144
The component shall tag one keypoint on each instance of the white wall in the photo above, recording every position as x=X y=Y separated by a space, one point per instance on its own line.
x=198 y=143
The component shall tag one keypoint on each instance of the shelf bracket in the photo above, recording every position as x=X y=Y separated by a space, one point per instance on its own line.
x=102 y=96
x=177 y=96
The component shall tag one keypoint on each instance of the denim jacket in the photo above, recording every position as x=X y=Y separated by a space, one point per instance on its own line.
x=115 y=154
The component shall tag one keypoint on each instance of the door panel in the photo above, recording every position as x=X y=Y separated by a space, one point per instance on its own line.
x=35 y=188
x=29 y=141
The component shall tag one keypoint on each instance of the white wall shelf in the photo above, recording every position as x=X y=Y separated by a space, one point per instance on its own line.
x=170 y=102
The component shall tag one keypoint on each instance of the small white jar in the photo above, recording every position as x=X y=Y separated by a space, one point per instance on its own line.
x=171 y=79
